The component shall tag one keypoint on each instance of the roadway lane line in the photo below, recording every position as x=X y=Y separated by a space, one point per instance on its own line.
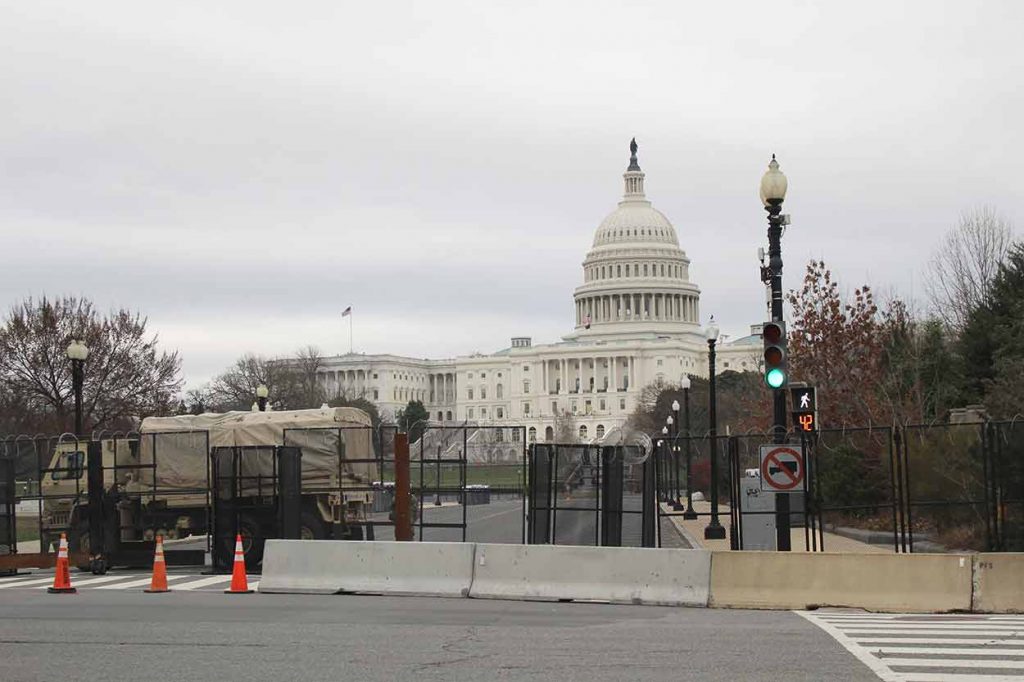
x=863 y=655
x=951 y=663
x=986 y=641
x=953 y=677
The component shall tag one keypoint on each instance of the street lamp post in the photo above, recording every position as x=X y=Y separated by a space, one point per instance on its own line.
x=78 y=352
x=663 y=467
x=685 y=385
x=674 y=449
x=773 y=192
x=261 y=397
x=714 y=530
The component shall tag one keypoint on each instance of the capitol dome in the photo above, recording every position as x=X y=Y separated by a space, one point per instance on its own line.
x=636 y=277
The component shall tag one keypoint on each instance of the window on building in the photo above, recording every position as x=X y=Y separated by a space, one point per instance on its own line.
x=726 y=364
x=469 y=413
x=499 y=412
x=469 y=376
x=622 y=403
x=549 y=434
x=499 y=375
x=483 y=393
x=499 y=391
x=526 y=368
x=588 y=407
x=645 y=269
x=526 y=409
x=618 y=270
x=599 y=432
x=554 y=407
x=483 y=413
x=374 y=375
x=532 y=434
x=440 y=416
x=583 y=431
x=601 y=405
x=659 y=362
x=469 y=394
x=499 y=436
x=526 y=385
x=483 y=375
x=515 y=434
x=572 y=406
x=376 y=395
x=448 y=415
x=662 y=269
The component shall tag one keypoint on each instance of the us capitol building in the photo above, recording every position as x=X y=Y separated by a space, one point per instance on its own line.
x=637 y=317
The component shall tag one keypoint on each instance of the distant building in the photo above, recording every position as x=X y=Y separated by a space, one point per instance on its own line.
x=637 y=319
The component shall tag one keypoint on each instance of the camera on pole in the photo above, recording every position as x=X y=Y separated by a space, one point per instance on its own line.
x=775 y=371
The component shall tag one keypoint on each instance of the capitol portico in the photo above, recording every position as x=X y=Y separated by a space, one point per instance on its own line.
x=637 y=320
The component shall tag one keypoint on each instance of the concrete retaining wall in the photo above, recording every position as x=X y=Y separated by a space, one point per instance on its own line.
x=677 y=577
x=876 y=582
x=326 y=567
x=999 y=583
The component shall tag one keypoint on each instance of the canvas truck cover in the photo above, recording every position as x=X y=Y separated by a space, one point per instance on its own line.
x=179 y=445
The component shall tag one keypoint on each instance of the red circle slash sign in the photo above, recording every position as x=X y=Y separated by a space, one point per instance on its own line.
x=783 y=469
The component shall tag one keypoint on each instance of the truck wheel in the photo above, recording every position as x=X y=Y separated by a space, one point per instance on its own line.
x=79 y=542
x=252 y=541
x=311 y=527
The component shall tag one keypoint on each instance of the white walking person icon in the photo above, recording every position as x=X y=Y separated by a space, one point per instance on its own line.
x=805 y=401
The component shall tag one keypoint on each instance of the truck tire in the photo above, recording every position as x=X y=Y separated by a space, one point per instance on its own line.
x=311 y=527
x=252 y=543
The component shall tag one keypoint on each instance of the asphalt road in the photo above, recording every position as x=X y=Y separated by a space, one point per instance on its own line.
x=182 y=636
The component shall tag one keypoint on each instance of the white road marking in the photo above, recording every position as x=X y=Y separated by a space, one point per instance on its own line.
x=25 y=583
x=996 y=644
x=82 y=582
x=203 y=582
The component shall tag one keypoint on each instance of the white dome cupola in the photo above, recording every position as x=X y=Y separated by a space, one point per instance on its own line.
x=636 y=278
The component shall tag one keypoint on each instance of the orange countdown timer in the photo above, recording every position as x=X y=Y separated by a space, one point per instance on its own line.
x=806 y=422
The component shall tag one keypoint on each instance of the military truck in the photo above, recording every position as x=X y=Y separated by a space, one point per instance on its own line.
x=160 y=482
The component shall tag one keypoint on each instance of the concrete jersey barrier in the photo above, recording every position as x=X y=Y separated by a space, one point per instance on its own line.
x=876 y=582
x=999 y=582
x=327 y=567
x=677 y=577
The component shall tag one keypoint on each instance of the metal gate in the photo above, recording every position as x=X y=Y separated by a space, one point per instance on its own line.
x=256 y=495
x=8 y=508
x=591 y=495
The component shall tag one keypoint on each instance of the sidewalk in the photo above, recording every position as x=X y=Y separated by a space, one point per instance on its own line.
x=693 y=531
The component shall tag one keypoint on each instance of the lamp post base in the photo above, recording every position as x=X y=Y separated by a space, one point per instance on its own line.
x=689 y=514
x=714 y=531
x=677 y=506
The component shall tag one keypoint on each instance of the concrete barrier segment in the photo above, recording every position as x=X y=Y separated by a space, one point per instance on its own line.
x=443 y=569
x=875 y=582
x=676 y=577
x=998 y=582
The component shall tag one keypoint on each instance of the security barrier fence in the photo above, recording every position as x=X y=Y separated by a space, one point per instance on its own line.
x=913 y=488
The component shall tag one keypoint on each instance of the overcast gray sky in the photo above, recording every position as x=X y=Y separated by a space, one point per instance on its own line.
x=241 y=172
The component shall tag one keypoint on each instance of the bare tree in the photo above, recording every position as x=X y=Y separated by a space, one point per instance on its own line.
x=235 y=388
x=962 y=268
x=308 y=363
x=126 y=374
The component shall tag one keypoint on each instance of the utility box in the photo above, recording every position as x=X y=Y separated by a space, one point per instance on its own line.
x=757 y=514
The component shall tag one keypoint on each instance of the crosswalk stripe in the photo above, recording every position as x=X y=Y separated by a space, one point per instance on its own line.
x=26 y=583
x=988 y=641
x=84 y=582
x=951 y=663
x=124 y=586
x=975 y=648
x=945 y=651
x=203 y=582
x=953 y=677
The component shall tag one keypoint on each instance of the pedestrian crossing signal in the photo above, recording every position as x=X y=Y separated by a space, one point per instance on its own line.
x=774 y=336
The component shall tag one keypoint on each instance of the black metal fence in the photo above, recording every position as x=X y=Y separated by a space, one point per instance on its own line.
x=591 y=495
x=913 y=488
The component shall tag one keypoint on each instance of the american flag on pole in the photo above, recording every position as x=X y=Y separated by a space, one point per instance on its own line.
x=346 y=312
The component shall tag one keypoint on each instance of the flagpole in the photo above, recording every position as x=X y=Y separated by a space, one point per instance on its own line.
x=350 y=351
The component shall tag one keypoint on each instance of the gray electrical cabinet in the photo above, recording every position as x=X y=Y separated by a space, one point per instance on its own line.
x=757 y=514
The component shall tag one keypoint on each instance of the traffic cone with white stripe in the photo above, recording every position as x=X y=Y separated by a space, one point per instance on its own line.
x=159 y=581
x=62 y=578
x=239 y=582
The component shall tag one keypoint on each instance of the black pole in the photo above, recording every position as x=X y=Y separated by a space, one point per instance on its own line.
x=674 y=450
x=437 y=488
x=783 y=538
x=689 y=513
x=714 y=530
x=77 y=379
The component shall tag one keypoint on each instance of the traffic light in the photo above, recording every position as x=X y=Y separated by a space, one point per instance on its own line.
x=775 y=373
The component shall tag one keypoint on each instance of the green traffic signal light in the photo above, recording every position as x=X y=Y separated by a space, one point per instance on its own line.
x=775 y=378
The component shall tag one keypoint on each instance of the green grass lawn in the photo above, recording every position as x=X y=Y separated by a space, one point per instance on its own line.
x=496 y=475
x=27 y=528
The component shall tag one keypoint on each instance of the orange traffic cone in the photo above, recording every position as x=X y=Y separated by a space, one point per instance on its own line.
x=159 y=581
x=62 y=578
x=239 y=583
